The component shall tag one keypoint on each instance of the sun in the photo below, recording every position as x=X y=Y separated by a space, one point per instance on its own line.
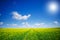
x=53 y=7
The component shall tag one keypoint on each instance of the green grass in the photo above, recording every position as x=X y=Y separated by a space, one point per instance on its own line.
x=30 y=34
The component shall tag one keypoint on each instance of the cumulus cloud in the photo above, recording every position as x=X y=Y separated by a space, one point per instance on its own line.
x=1 y=23
x=18 y=16
x=26 y=25
x=35 y=25
x=22 y=25
x=55 y=22
x=39 y=25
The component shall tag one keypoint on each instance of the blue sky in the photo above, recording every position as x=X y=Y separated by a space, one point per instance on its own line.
x=29 y=13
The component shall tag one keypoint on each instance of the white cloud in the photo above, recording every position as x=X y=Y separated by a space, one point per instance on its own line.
x=26 y=25
x=35 y=25
x=55 y=22
x=39 y=25
x=1 y=23
x=18 y=16
x=11 y=24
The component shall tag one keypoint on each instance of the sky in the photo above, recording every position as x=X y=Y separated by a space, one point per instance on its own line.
x=29 y=13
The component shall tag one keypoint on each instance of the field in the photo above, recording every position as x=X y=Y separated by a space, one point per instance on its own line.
x=29 y=33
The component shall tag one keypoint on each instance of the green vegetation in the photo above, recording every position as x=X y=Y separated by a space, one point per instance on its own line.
x=30 y=34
